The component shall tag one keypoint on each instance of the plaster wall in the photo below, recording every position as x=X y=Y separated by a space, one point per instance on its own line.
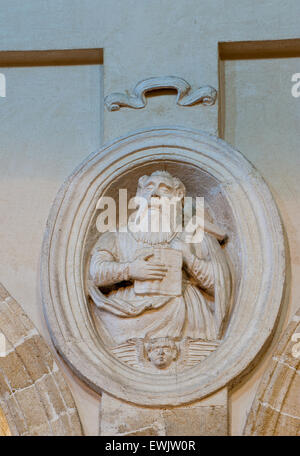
x=53 y=117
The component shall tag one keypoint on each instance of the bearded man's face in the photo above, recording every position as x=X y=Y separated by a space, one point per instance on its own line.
x=160 y=208
x=157 y=187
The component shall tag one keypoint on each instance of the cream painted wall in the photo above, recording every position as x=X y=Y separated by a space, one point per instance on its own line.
x=141 y=38
x=49 y=121
x=262 y=120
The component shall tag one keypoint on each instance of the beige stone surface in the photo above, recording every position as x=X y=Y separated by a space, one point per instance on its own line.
x=4 y=428
x=276 y=408
x=140 y=40
x=206 y=417
x=34 y=397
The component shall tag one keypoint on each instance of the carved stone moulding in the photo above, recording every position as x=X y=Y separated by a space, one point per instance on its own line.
x=34 y=397
x=245 y=209
x=205 y=95
x=276 y=407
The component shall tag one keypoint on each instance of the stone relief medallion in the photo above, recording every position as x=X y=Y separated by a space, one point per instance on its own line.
x=162 y=316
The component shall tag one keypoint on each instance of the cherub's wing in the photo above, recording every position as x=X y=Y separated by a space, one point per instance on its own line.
x=126 y=353
x=131 y=352
x=198 y=350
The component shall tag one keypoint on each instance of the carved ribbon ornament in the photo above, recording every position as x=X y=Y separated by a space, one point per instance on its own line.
x=205 y=95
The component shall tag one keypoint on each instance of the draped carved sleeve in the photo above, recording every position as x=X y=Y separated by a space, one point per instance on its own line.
x=201 y=269
x=105 y=269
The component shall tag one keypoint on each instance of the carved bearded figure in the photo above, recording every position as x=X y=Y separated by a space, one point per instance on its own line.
x=123 y=266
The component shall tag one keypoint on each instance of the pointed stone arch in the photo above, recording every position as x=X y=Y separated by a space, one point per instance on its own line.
x=276 y=407
x=34 y=397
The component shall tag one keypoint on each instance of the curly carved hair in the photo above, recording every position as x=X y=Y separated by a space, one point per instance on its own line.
x=158 y=342
x=177 y=184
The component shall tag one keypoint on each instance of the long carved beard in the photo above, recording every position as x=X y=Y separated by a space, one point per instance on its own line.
x=156 y=233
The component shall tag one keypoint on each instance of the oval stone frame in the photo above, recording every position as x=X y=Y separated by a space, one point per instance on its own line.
x=262 y=271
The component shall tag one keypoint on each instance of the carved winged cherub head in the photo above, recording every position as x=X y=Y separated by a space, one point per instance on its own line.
x=161 y=352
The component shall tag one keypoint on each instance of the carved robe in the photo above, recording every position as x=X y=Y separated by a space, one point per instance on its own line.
x=122 y=315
